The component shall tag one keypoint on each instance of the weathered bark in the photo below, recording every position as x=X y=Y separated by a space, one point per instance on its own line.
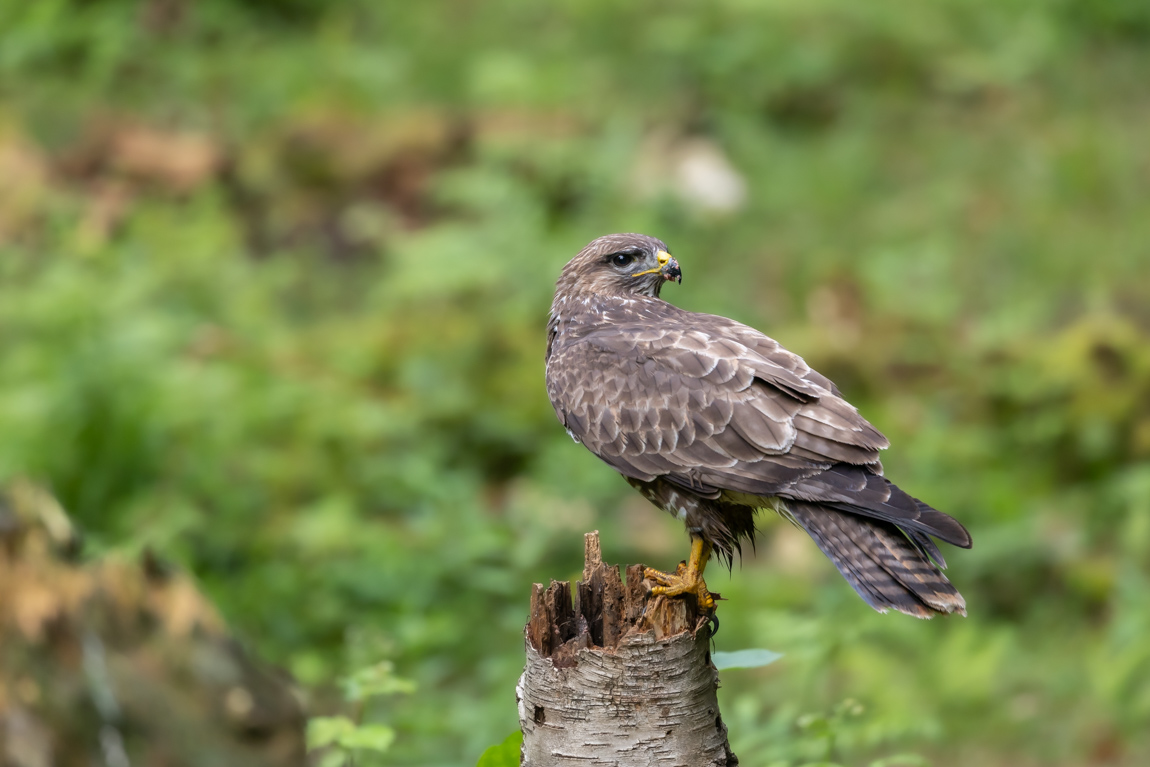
x=620 y=679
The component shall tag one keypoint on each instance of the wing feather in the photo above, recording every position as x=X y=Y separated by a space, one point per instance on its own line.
x=698 y=393
x=715 y=406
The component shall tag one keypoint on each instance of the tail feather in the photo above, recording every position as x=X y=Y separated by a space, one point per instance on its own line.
x=926 y=545
x=888 y=568
x=853 y=489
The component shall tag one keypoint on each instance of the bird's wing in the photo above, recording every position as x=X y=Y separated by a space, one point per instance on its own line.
x=721 y=409
x=706 y=403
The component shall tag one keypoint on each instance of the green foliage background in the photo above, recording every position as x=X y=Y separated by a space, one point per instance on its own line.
x=274 y=275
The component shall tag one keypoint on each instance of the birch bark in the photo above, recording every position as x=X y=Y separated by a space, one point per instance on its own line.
x=619 y=679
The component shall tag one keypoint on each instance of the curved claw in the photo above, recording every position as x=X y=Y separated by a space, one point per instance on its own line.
x=684 y=581
x=688 y=577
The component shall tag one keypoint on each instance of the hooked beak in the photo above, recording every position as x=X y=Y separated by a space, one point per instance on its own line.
x=668 y=267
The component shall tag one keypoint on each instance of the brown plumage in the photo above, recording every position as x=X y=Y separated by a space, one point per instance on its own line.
x=712 y=420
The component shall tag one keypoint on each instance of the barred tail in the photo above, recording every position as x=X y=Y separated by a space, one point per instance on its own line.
x=887 y=567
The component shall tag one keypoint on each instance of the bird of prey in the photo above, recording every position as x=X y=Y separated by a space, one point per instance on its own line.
x=711 y=421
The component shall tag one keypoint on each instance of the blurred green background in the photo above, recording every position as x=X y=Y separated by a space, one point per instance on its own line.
x=273 y=284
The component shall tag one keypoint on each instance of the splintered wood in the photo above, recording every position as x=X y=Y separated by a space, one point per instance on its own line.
x=618 y=677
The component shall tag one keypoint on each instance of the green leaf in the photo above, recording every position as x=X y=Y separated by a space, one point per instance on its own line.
x=505 y=754
x=336 y=757
x=372 y=681
x=324 y=731
x=327 y=730
x=744 y=659
x=816 y=724
x=371 y=737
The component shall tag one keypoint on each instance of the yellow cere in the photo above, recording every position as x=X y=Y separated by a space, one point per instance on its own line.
x=664 y=257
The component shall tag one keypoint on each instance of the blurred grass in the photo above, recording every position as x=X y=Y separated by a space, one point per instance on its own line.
x=273 y=279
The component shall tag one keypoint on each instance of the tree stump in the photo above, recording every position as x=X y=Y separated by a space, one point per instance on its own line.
x=620 y=678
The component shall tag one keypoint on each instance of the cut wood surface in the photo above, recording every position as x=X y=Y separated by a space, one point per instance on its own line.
x=618 y=677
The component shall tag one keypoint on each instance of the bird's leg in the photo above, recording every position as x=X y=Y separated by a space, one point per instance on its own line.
x=688 y=578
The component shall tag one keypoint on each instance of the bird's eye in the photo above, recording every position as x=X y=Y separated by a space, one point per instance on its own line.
x=622 y=259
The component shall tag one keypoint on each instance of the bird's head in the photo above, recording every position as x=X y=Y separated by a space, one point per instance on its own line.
x=621 y=264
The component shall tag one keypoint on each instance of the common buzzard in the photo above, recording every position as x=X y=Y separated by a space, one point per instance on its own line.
x=711 y=420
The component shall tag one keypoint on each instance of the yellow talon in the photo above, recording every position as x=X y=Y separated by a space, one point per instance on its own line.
x=688 y=577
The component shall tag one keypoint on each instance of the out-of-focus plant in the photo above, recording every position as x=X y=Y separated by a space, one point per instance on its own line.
x=341 y=738
x=504 y=754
